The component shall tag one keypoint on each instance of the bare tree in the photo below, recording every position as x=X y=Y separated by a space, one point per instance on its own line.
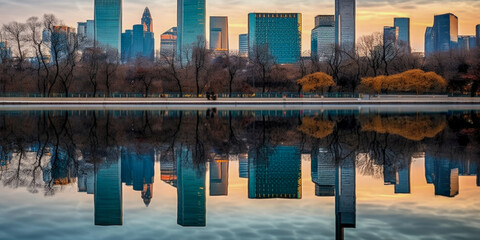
x=200 y=57
x=234 y=64
x=16 y=33
x=262 y=63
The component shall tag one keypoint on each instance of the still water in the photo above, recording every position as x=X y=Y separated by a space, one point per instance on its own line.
x=320 y=173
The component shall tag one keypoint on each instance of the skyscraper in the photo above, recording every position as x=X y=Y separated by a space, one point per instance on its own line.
x=390 y=40
x=445 y=29
x=219 y=34
x=345 y=17
x=127 y=41
x=108 y=23
x=466 y=43
x=243 y=45
x=190 y=24
x=219 y=177
x=108 y=194
x=62 y=40
x=137 y=43
x=323 y=172
x=323 y=37
x=429 y=41
x=5 y=52
x=345 y=196
x=168 y=42
x=403 y=25
x=280 y=33
x=477 y=31
x=147 y=20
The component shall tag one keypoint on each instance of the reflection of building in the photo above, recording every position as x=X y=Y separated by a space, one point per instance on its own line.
x=323 y=37
x=281 y=33
x=219 y=34
x=323 y=172
x=168 y=170
x=86 y=177
x=345 y=196
x=219 y=177
x=243 y=165
x=275 y=172
x=108 y=193
x=443 y=173
x=138 y=171
x=345 y=17
x=402 y=183
x=190 y=190
x=108 y=23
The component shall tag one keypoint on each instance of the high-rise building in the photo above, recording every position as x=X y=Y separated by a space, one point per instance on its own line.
x=466 y=43
x=403 y=25
x=443 y=174
x=82 y=30
x=219 y=34
x=243 y=45
x=345 y=22
x=280 y=33
x=323 y=37
x=429 y=41
x=147 y=20
x=138 y=39
x=445 y=29
x=108 y=194
x=323 y=172
x=219 y=177
x=108 y=23
x=168 y=43
x=477 y=35
x=5 y=52
x=127 y=41
x=345 y=196
x=190 y=25
x=243 y=165
x=62 y=39
x=191 y=209
x=91 y=31
x=275 y=172
x=390 y=40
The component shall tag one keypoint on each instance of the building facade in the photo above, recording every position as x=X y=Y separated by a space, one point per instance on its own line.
x=243 y=45
x=390 y=41
x=219 y=34
x=445 y=32
x=5 y=52
x=467 y=43
x=280 y=33
x=190 y=25
x=323 y=37
x=403 y=25
x=345 y=24
x=477 y=31
x=86 y=33
x=108 y=23
x=140 y=41
x=127 y=41
x=168 y=43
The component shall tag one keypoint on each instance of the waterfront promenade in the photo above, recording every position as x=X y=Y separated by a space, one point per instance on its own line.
x=383 y=100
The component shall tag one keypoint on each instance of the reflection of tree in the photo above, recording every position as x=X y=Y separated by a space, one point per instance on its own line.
x=316 y=127
x=415 y=128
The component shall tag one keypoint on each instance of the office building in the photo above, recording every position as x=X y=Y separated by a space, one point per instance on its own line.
x=190 y=25
x=168 y=43
x=5 y=52
x=345 y=17
x=243 y=45
x=81 y=30
x=219 y=177
x=275 y=172
x=390 y=40
x=219 y=34
x=62 y=40
x=86 y=33
x=149 y=36
x=280 y=33
x=108 y=194
x=191 y=209
x=137 y=41
x=127 y=43
x=108 y=23
x=429 y=41
x=147 y=21
x=323 y=37
x=403 y=25
x=477 y=34
x=467 y=43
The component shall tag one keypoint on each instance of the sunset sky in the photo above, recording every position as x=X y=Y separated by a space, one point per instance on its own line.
x=372 y=15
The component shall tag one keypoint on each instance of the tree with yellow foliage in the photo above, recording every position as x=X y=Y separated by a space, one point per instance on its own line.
x=316 y=82
x=316 y=127
x=415 y=80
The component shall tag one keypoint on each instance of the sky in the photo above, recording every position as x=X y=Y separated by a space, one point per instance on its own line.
x=372 y=15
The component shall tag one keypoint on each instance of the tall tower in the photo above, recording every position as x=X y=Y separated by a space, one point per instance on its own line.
x=477 y=31
x=108 y=23
x=445 y=29
x=147 y=20
x=345 y=14
x=190 y=24
x=219 y=34
x=403 y=25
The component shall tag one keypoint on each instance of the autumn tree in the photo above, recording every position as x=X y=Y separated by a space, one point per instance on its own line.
x=316 y=82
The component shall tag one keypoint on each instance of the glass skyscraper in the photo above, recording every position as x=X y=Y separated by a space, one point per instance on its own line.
x=137 y=43
x=280 y=32
x=168 y=42
x=243 y=45
x=477 y=30
x=403 y=25
x=345 y=14
x=108 y=194
x=108 y=23
x=466 y=42
x=429 y=41
x=190 y=24
x=219 y=34
x=323 y=37
x=127 y=40
x=390 y=40
x=446 y=32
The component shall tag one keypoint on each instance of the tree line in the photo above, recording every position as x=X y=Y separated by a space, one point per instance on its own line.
x=67 y=64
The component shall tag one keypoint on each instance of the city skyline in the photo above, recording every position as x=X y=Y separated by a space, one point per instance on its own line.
x=371 y=15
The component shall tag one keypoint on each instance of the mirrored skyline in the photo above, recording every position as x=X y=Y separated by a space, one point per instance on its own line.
x=371 y=15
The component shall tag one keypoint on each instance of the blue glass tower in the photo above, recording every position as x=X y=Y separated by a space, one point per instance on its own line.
x=403 y=25
x=243 y=45
x=108 y=194
x=477 y=34
x=280 y=32
x=127 y=41
x=190 y=24
x=138 y=38
x=323 y=36
x=429 y=41
x=446 y=32
x=108 y=23
x=345 y=24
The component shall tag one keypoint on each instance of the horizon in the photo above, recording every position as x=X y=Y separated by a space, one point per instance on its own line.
x=164 y=12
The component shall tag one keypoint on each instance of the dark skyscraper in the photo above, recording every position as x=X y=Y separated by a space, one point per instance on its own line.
x=127 y=41
x=345 y=196
x=429 y=41
x=147 y=21
x=219 y=34
x=108 y=23
x=108 y=194
x=477 y=31
x=243 y=45
x=323 y=37
x=446 y=32
x=403 y=25
x=137 y=43
x=275 y=172
x=390 y=40
x=345 y=23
